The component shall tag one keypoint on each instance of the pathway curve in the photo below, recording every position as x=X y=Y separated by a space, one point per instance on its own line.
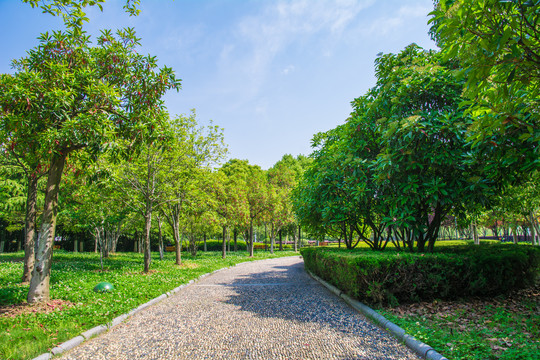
x=267 y=309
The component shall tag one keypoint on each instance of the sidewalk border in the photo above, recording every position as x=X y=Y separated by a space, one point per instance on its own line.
x=423 y=350
x=95 y=331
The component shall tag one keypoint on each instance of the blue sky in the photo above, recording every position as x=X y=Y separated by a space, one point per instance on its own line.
x=271 y=73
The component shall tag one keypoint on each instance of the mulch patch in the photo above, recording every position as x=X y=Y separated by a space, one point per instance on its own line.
x=518 y=301
x=474 y=314
x=42 y=308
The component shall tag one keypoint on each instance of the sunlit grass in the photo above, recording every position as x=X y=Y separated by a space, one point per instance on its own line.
x=73 y=278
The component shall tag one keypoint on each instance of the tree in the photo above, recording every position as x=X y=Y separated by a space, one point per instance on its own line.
x=140 y=178
x=283 y=177
x=401 y=162
x=20 y=164
x=72 y=11
x=424 y=155
x=325 y=200
x=92 y=202
x=257 y=195
x=67 y=96
x=230 y=194
x=191 y=147
x=497 y=44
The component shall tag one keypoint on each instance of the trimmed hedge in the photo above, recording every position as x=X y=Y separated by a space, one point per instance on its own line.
x=393 y=277
x=216 y=245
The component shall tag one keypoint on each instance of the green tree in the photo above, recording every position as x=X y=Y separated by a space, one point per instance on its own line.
x=497 y=44
x=67 y=96
x=283 y=177
x=424 y=155
x=191 y=147
x=257 y=193
x=73 y=11
x=231 y=205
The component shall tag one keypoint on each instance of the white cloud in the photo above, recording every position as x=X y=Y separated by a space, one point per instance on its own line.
x=396 y=20
x=259 y=38
x=288 y=69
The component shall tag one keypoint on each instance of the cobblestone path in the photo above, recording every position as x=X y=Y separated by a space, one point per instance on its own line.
x=267 y=309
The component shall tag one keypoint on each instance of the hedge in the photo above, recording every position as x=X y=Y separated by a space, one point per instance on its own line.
x=391 y=277
x=216 y=245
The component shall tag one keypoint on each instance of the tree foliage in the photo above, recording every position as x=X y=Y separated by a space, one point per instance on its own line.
x=400 y=163
x=497 y=44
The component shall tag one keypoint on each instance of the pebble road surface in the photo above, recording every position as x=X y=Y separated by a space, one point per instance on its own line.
x=267 y=309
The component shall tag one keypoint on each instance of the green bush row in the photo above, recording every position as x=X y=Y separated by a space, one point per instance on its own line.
x=216 y=245
x=391 y=277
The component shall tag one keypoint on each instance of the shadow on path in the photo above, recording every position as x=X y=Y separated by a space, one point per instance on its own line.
x=289 y=293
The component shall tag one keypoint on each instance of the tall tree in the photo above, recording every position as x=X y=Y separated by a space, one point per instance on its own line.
x=497 y=43
x=67 y=96
x=190 y=148
x=257 y=194
x=231 y=206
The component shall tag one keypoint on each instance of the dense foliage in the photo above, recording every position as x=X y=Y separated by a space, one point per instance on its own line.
x=401 y=162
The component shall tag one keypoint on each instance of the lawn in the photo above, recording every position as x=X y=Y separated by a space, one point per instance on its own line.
x=27 y=331
x=500 y=328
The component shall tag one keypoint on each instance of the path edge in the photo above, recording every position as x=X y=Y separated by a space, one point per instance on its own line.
x=95 y=331
x=423 y=350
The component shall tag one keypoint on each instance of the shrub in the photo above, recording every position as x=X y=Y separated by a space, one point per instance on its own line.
x=392 y=277
x=216 y=245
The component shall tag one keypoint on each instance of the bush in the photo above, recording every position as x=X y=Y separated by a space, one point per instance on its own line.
x=392 y=277
x=216 y=245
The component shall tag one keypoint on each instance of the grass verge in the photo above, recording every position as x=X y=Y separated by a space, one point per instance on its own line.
x=27 y=331
x=501 y=328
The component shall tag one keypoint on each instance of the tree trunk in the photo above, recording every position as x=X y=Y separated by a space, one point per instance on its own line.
x=177 y=243
x=515 y=234
x=251 y=238
x=135 y=242
x=223 y=249
x=295 y=240
x=280 y=240
x=147 y=226
x=204 y=240
x=160 y=238
x=535 y=229
x=2 y=240
x=265 y=238
x=30 y=229
x=39 y=284
x=105 y=242
x=272 y=239
x=235 y=238
x=299 y=236
x=475 y=234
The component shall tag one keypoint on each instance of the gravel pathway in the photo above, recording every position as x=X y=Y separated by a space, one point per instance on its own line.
x=260 y=310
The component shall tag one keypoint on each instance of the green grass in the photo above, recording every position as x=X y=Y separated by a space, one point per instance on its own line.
x=73 y=278
x=487 y=332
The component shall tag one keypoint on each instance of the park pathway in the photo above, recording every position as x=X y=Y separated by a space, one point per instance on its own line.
x=267 y=309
